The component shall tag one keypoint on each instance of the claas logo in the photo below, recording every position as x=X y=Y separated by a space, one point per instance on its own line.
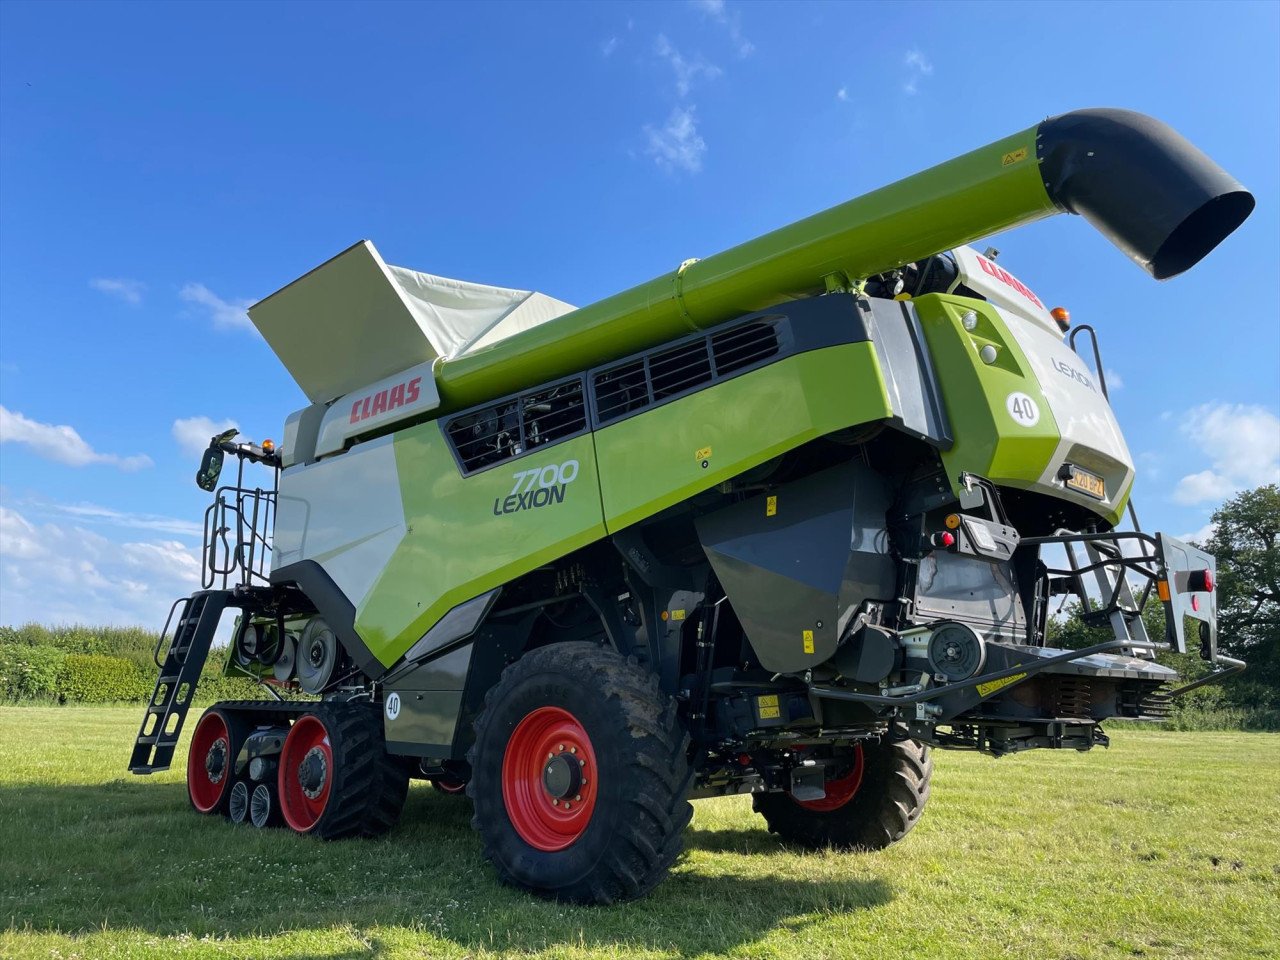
x=400 y=395
x=1009 y=280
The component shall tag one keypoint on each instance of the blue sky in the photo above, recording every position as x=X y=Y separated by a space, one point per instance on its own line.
x=163 y=165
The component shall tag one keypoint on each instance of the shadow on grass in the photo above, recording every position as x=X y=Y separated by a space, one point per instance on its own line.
x=130 y=854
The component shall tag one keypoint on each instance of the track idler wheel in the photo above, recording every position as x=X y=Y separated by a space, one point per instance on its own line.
x=335 y=778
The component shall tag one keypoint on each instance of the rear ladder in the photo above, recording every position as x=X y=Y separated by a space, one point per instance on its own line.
x=198 y=617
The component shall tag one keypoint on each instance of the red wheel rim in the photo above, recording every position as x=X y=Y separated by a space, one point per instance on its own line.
x=306 y=773
x=209 y=763
x=549 y=779
x=841 y=791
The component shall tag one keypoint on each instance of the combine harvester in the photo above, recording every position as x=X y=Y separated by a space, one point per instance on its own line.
x=773 y=523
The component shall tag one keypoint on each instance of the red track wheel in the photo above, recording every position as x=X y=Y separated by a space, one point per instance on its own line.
x=306 y=773
x=549 y=779
x=335 y=778
x=839 y=791
x=210 y=763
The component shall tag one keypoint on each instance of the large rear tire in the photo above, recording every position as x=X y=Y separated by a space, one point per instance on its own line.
x=335 y=777
x=875 y=800
x=580 y=774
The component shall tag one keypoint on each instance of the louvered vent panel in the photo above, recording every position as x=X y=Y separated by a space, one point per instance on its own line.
x=514 y=426
x=743 y=347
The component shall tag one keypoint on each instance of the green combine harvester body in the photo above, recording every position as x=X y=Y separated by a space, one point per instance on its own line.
x=774 y=523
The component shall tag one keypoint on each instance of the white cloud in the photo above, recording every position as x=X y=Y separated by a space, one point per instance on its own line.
x=1242 y=443
x=843 y=94
x=729 y=19
x=917 y=61
x=225 y=314
x=608 y=46
x=130 y=291
x=685 y=70
x=58 y=573
x=918 y=66
x=60 y=443
x=1114 y=380
x=1199 y=536
x=193 y=433
x=92 y=513
x=676 y=145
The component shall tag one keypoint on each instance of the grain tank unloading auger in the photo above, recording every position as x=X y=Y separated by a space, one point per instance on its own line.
x=769 y=524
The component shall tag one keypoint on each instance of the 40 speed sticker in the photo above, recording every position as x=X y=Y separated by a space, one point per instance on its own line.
x=1024 y=410
x=538 y=487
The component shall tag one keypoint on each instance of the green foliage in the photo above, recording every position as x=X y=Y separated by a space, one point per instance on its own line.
x=1246 y=543
x=84 y=664
x=129 y=643
x=29 y=673
x=98 y=678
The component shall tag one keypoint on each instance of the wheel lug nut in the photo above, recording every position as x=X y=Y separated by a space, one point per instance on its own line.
x=560 y=747
x=573 y=749
x=577 y=798
x=550 y=756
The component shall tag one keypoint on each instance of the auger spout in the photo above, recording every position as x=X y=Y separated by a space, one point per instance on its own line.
x=1157 y=197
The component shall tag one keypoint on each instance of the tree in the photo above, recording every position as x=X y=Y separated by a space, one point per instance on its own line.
x=1246 y=543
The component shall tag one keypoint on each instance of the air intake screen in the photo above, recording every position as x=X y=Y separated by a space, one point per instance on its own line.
x=672 y=372
x=507 y=429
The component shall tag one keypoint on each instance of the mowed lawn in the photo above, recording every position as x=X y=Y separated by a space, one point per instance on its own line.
x=1166 y=845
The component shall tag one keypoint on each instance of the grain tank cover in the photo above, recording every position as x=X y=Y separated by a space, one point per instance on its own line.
x=356 y=319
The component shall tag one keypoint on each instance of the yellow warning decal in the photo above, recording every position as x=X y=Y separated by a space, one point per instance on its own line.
x=767 y=707
x=1013 y=156
x=677 y=614
x=771 y=506
x=808 y=641
x=991 y=686
x=702 y=454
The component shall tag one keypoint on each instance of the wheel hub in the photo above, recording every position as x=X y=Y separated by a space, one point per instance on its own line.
x=312 y=772
x=562 y=776
x=215 y=761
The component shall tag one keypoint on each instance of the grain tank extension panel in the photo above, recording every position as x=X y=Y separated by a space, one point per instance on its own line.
x=356 y=319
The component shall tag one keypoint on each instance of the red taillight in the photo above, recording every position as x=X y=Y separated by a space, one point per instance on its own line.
x=1200 y=581
x=947 y=539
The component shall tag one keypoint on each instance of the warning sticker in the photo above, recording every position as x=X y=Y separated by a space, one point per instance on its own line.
x=767 y=707
x=702 y=454
x=991 y=686
x=677 y=614
x=1013 y=156
x=771 y=506
x=808 y=641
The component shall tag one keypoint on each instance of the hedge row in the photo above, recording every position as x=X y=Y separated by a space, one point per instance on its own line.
x=51 y=673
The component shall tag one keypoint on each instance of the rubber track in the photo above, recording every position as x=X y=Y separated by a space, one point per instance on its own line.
x=650 y=832
x=369 y=788
x=889 y=804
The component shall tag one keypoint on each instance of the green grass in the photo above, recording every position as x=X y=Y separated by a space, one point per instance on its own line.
x=1167 y=845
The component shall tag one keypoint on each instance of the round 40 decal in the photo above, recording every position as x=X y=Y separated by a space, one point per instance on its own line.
x=1024 y=410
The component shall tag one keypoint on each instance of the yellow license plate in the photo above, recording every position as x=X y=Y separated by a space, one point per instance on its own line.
x=1087 y=483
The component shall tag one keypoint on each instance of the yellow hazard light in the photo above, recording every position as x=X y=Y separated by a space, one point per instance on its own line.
x=1063 y=316
x=952 y=521
x=268 y=446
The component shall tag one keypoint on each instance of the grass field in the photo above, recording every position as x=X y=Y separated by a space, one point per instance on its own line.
x=1167 y=845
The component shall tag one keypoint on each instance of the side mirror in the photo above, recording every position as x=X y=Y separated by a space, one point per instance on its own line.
x=210 y=468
